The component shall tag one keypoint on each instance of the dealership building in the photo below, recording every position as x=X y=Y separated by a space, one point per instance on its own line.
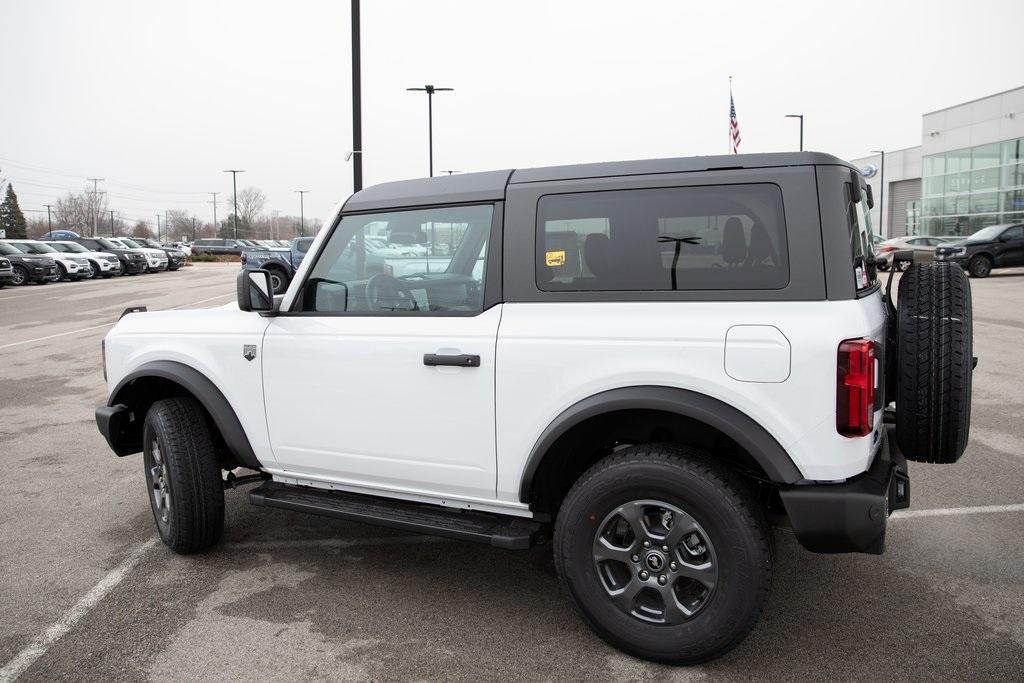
x=968 y=171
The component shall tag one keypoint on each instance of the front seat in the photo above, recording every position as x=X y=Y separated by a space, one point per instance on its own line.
x=734 y=242
x=597 y=254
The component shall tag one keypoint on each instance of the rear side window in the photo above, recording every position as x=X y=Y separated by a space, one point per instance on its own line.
x=663 y=239
x=858 y=220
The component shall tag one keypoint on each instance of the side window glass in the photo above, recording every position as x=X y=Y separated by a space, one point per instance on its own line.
x=663 y=239
x=422 y=261
x=1014 y=233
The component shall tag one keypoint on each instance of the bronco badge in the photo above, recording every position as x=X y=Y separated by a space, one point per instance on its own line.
x=249 y=352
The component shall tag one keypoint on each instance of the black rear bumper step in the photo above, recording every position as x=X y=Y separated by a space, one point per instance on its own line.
x=512 y=533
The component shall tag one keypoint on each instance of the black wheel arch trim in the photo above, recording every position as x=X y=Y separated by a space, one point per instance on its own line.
x=735 y=424
x=112 y=418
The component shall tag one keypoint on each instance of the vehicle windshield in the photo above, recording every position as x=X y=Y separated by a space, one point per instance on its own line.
x=7 y=250
x=987 y=234
x=69 y=247
x=35 y=248
x=147 y=242
x=129 y=243
x=108 y=244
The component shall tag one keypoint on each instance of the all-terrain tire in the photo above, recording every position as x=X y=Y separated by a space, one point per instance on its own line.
x=278 y=280
x=935 y=362
x=713 y=497
x=178 y=441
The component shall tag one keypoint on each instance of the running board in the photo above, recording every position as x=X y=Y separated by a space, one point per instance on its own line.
x=512 y=533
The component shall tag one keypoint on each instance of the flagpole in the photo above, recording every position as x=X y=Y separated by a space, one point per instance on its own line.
x=729 y=143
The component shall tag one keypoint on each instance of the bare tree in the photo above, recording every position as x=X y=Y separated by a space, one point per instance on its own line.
x=251 y=201
x=142 y=229
x=79 y=211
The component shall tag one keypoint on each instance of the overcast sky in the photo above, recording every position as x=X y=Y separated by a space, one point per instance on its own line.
x=158 y=98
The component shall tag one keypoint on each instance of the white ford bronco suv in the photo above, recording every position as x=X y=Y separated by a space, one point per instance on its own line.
x=649 y=363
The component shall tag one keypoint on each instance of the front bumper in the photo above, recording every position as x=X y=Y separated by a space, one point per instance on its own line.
x=6 y=276
x=41 y=273
x=851 y=517
x=157 y=266
x=114 y=423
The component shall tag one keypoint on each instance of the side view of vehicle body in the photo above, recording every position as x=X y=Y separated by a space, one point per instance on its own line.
x=217 y=246
x=645 y=363
x=156 y=259
x=103 y=264
x=995 y=246
x=175 y=257
x=923 y=247
x=280 y=262
x=133 y=261
x=69 y=266
x=28 y=268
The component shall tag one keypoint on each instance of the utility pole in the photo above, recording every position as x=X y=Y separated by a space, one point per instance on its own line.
x=234 y=185
x=193 y=228
x=357 y=107
x=95 y=201
x=214 y=202
x=302 y=212
x=881 y=196
x=158 y=227
x=49 y=224
x=111 y=223
x=430 y=90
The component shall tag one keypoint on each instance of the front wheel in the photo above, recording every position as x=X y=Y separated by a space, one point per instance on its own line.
x=278 y=280
x=664 y=553
x=186 y=492
x=979 y=266
x=20 y=276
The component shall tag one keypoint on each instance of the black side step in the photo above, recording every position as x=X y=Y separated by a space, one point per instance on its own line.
x=512 y=533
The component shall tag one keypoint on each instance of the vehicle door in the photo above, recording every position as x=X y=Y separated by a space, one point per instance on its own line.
x=379 y=382
x=1011 y=247
x=922 y=248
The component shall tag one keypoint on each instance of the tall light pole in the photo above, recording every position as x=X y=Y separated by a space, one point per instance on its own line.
x=234 y=186
x=801 y=117
x=214 y=202
x=881 y=195
x=95 y=201
x=357 y=106
x=302 y=212
x=430 y=90
x=111 y=223
x=49 y=224
x=158 y=227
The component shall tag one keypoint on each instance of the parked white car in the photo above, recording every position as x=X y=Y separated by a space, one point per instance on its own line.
x=69 y=267
x=156 y=259
x=184 y=246
x=103 y=264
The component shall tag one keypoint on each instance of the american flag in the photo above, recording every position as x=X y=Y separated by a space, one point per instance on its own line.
x=734 y=126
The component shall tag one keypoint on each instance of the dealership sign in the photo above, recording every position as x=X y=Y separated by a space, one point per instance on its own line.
x=869 y=171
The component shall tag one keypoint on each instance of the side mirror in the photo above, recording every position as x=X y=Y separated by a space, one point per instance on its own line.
x=255 y=292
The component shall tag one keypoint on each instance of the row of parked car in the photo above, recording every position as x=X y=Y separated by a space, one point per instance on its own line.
x=26 y=261
x=234 y=247
x=994 y=246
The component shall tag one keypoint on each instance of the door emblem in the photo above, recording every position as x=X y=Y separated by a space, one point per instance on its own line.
x=249 y=352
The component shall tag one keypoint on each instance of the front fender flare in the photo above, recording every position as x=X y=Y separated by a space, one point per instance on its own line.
x=735 y=424
x=203 y=389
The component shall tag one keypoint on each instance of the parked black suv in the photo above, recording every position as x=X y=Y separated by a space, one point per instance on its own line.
x=26 y=268
x=218 y=246
x=996 y=246
x=132 y=262
x=175 y=257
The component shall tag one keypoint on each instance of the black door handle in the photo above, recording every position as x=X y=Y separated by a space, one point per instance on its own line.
x=464 y=360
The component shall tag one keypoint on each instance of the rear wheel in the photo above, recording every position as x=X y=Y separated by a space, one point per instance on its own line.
x=278 y=279
x=935 y=363
x=183 y=475
x=980 y=266
x=20 y=275
x=664 y=553
x=62 y=273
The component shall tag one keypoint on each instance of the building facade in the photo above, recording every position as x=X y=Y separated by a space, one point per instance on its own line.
x=967 y=173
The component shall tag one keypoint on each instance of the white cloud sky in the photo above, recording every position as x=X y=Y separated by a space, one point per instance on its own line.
x=162 y=96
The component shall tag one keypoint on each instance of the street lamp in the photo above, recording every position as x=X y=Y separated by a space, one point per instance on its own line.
x=882 y=228
x=801 y=117
x=430 y=90
x=234 y=185
x=302 y=212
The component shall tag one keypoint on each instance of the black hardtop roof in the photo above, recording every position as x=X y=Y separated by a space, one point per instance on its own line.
x=490 y=185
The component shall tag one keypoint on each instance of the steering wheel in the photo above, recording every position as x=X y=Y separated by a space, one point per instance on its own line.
x=387 y=293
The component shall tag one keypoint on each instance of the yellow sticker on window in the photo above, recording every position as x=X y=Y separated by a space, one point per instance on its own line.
x=554 y=258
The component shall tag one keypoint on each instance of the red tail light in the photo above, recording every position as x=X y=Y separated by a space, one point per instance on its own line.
x=885 y=249
x=855 y=387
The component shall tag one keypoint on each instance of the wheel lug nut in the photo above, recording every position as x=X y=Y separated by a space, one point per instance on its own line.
x=644 y=575
x=662 y=579
x=647 y=544
x=664 y=548
x=672 y=566
x=636 y=558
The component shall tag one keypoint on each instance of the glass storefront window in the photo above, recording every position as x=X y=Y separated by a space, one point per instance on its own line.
x=987 y=202
x=931 y=207
x=933 y=186
x=985 y=156
x=1012 y=201
x=1012 y=151
x=958 y=160
x=934 y=165
x=958 y=182
x=979 y=222
x=1012 y=176
x=1013 y=218
x=985 y=179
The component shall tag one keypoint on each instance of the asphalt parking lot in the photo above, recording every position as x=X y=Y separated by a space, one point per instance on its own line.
x=86 y=592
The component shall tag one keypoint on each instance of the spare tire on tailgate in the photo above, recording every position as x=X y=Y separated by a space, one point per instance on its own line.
x=935 y=362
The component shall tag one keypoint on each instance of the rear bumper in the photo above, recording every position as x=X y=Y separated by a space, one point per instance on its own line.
x=851 y=517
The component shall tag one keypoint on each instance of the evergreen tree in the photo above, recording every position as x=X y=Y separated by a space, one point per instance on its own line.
x=11 y=218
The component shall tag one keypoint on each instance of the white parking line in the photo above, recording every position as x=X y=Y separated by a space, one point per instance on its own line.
x=953 y=512
x=96 y=327
x=38 y=647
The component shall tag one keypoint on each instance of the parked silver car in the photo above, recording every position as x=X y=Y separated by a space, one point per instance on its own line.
x=923 y=247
